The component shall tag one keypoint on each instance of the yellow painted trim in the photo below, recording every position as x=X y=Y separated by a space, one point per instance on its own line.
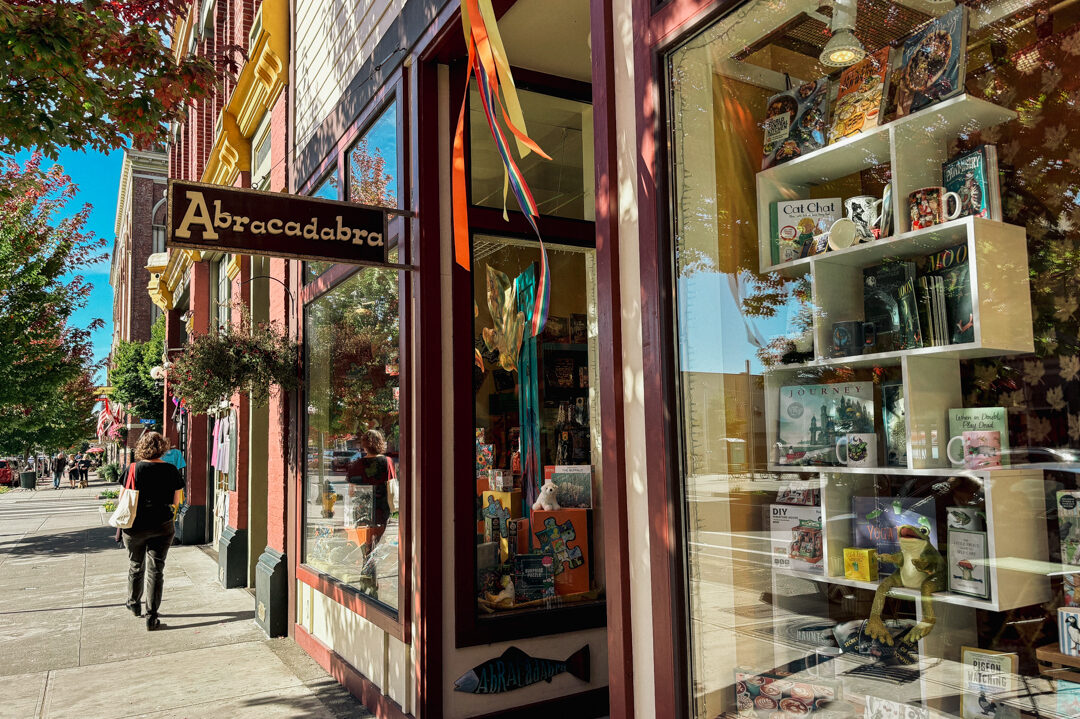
x=233 y=268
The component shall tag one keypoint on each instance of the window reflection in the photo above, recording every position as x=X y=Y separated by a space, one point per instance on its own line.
x=353 y=430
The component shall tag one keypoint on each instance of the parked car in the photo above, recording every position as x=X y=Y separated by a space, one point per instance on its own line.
x=340 y=461
x=6 y=475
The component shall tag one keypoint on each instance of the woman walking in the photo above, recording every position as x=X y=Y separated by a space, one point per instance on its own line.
x=150 y=536
x=58 y=469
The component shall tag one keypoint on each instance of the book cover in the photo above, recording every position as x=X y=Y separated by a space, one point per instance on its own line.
x=951 y=265
x=573 y=484
x=1068 y=514
x=878 y=521
x=986 y=676
x=894 y=423
x=881 y=304
x=795 y=122
x=933 y=62
x=814 y=416
x=784 y=521
x=910 y=334
x=859 y=96
x=971 y=175
x=969 y=572
x=534 y=577
x=926 y=311
x=981 y=419
x=795 y=222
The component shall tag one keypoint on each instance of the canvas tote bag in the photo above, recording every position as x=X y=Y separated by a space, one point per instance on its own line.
x=124 y=514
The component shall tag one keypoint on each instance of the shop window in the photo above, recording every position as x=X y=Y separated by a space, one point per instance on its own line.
x=874 y=266
x=351 y=489
x=372 y=163
x=328 y=189
x=260 y=154
x=563 y=186
x=537 y=541
x=223 y=296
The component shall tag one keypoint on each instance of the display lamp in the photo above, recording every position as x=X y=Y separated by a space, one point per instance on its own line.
x=843 y=48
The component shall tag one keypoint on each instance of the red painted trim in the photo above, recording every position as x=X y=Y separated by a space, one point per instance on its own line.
x=427 y=595
x=352 y=599
x=347 y=675
x=613 y=457
x=584 y=705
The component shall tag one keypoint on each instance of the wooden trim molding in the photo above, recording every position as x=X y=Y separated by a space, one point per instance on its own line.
x=353 y=599
x=347 y=675
x=584 y=705
x=613 y=458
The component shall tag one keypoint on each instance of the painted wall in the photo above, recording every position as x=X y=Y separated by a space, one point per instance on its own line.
x=333 y=38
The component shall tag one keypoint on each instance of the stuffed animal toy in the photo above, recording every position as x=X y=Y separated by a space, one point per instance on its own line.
x=505 y=597
x=546 y=500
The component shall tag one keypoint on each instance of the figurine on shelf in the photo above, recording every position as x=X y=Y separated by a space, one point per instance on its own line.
x=505 y=598
x=546 y=499
x=921 y=567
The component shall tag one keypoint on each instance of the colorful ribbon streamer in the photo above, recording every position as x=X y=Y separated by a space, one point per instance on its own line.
x=487 y=60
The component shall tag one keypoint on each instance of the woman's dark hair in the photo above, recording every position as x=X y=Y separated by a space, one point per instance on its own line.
x=151 y=445
x=373 y=442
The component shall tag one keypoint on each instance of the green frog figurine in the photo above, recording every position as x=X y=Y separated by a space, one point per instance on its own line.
x=920 y=566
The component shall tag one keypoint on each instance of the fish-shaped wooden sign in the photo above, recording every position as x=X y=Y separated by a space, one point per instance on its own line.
x=515 y=669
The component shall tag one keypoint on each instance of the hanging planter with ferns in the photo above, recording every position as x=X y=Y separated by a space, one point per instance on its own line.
x=243 y=358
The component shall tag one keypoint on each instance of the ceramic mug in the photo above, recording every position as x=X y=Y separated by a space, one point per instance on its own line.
x=843 y=234
x=860 y=449
x=930 y=206
x=982 y=449
x=865 y=212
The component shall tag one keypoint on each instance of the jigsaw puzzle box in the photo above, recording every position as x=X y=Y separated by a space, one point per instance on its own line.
x=564 y=533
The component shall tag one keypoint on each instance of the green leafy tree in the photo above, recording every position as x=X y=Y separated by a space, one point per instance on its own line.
x=130 y=377
x=41 y=256
x=93 y=74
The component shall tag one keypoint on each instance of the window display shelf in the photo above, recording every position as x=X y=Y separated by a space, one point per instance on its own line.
x=913 y=146
x=900 y=471
x=899 y=592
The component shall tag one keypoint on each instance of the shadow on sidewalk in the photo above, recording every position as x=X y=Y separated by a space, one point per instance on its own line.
x=231 y=617
x=62 y=609
x=75 y=541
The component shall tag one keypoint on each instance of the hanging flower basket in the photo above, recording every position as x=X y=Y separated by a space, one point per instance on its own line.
x=244 y=358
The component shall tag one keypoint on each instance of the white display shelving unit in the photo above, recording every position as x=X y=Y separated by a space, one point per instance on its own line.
x=915 y=148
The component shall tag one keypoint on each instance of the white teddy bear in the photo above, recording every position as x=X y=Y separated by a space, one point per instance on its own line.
x=546 y=500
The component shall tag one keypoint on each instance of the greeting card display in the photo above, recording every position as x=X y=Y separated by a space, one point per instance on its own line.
x=813 y=417
x=795 y=122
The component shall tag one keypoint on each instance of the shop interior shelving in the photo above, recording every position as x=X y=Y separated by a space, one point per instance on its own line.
x=915 y=147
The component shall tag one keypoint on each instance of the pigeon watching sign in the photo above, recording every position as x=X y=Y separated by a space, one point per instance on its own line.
x=250 y=222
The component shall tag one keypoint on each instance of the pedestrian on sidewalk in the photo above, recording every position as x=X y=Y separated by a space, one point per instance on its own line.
x=151 y=534
x=73 y=470
x=58 y=469
x=84 y=470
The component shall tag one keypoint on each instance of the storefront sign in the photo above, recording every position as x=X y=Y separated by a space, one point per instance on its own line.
x=211 y=217
x=515 y=669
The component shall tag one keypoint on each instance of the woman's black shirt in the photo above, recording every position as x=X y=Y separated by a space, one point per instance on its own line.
x=157 y=483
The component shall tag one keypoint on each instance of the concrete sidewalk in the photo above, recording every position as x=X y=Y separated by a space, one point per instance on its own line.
x=69 y=648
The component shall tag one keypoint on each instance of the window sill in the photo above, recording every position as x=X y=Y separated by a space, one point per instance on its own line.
x=372 y=610
x=533 y=623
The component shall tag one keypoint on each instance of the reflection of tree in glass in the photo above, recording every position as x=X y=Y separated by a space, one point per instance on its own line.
x=369 y=181
x=353 y=359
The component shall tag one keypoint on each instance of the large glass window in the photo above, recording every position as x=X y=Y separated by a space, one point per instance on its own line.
x=351 y=489
x=875 y=257
x=328 y=189
x=372 y=163
x=536 y=402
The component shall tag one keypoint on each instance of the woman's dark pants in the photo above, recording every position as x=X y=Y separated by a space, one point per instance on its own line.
x=146 y=551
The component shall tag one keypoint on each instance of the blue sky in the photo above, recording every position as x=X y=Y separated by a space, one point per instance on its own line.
x=97 y=176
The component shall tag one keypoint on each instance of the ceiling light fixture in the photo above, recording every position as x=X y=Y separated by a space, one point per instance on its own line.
x=843 y=48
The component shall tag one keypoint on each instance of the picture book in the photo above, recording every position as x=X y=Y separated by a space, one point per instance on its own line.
x=981 y=419
x=878 y=521
x=795 y=122
x=910 y=335
x=894 y=423
x=881 y=302
x=987 y=675
x=951 y=265
x=969 y=572
x=859 y=96
x=933 y=62
x=795 y=222
x=974 y=177
x=814 y=416
x=573 y=484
